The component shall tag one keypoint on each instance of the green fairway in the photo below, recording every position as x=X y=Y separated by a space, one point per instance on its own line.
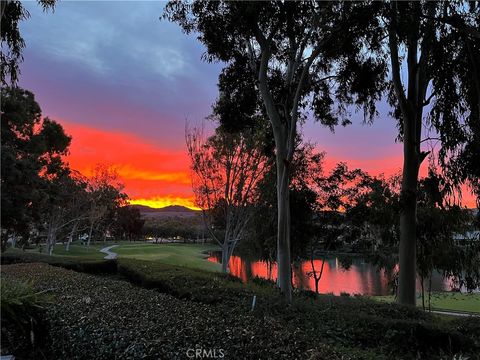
x=450 y=301
x=91 y=252
x=76 y=250
x=188 y=255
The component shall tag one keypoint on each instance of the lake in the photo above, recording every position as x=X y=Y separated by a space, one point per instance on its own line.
x=360 y=278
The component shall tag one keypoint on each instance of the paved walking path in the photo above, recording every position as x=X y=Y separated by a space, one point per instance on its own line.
x=454 y=313
x=110 y=254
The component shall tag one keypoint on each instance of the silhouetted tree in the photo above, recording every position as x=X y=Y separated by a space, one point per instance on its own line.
x=293 y=56
x=225 y=171
x=12 y=13
x=64 y=204
x=105 y=192
x=31 y=152
x=374 y=211
x=129 y=222
x=439 y=223
x=441 y=69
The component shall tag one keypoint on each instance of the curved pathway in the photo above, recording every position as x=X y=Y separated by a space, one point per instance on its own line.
x=455 y=313
x=110 y=254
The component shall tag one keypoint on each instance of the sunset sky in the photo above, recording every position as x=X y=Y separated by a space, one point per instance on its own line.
x=123 y=83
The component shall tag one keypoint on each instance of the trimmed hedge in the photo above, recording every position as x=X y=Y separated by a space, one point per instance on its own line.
x=196 y=285
x=102 y=318
x=351 y=322
x=71 y=263
x=359 y=327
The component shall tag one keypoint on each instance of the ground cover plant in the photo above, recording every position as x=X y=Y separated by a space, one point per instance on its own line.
x=325 y=325
x=101 y=318
x=22 y=308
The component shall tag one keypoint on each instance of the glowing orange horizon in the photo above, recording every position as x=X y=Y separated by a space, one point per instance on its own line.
x=157 y=176
x=158 y=203
x=153 y=175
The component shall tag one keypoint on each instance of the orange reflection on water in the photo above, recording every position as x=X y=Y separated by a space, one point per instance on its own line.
x=360 y=278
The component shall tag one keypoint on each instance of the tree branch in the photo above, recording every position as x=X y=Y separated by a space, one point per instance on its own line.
x=393 y=45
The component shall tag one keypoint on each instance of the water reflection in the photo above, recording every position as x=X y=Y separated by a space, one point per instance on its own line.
x=360 y=278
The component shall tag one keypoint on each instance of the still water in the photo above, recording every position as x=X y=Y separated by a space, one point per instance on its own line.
x=360 y=278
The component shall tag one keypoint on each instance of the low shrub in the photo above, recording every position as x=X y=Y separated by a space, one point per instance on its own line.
x=201 y=286
x=71 y=263
x=350 y=322
x=102 y=318
x=358 y=326
x=22 y=309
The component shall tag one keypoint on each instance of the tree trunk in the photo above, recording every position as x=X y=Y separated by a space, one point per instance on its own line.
x=70 y=238
x=51 y=239
x=225 y=257
x=284 y=279
x=317 y=280
x=408 y=215
x=423 y=294
x=430 y=293
x=5 y=236
x=14 y=239
x=90 y=235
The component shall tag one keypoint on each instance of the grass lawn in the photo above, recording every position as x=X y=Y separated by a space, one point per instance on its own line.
x=187 y=255
x=76 y=250
x=451 y=301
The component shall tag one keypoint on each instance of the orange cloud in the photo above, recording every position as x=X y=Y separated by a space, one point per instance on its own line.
x=151 y=173
x=157 y=176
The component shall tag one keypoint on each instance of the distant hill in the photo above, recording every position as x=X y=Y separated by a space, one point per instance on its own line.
x=167 y=211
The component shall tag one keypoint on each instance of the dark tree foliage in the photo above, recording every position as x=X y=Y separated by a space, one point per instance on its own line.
x=129 y=223
x=439 y=224
x=441 y=93
x=262 y=234
x=175 y=227
x=262 y=237
x=374 y=211
x=32 y=151
x=106 y=196
x=63 y=203
x=12 y=13
x=294 y=58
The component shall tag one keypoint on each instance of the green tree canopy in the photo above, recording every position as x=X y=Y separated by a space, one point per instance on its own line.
x=32 y=150
x=294 y=58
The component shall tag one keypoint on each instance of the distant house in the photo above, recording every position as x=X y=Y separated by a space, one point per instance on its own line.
x=83 y=237
x=468 y=236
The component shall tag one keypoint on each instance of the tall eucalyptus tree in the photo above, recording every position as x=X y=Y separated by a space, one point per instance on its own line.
x=428 y=43
x=293 y=56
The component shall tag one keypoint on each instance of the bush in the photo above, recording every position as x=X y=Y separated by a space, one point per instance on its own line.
x=358 y=326
x=21 y=310
x=102 y=318
x=201 y=286
x=71 y=263
x=351 y=322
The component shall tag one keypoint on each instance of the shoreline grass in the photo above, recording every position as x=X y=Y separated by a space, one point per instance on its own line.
x=445 y=301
